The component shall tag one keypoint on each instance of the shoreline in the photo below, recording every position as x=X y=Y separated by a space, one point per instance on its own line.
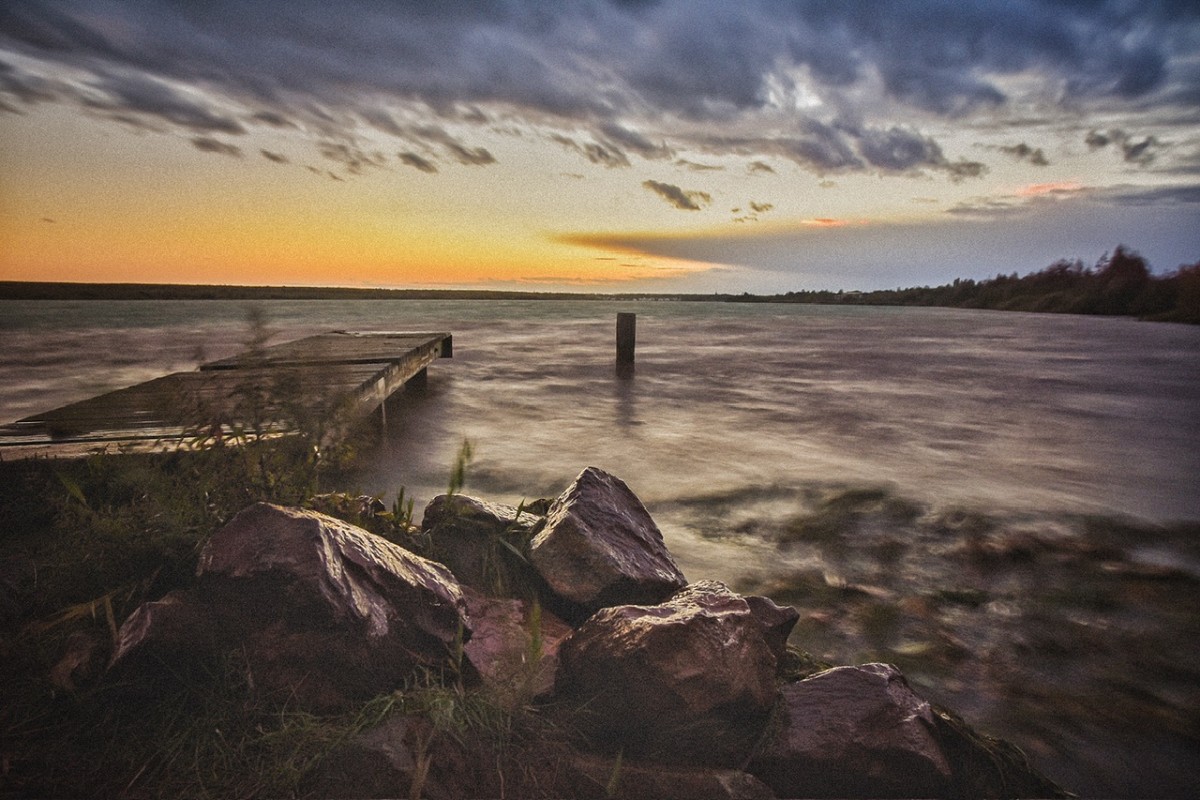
x=1172 y=297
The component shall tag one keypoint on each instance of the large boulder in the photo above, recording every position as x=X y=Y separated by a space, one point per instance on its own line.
x=691 y=680
x=599 y=547
x=863 y=732
x=321 y=610
x=854 y=732
x=478 y=539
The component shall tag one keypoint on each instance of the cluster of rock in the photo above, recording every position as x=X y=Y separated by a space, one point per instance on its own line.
x=581 y=606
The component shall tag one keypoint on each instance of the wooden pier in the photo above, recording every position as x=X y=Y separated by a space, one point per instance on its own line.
x=318 y=382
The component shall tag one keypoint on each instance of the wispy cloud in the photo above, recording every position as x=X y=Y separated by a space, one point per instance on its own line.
x=683 y=199
x=351 y=157
x=417 y=162
x=1133 y=151
x=137 y=97
x=1023 y=152
x=207 y=144
x=604 y=155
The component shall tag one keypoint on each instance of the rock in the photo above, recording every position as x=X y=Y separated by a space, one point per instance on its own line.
x=181 y=624
x=472 y=537
x=688 y=681
x=854 y=732
x=512 y=662
x=323 y=612
x=777 y=621
x=599 y=547
x=602 y=778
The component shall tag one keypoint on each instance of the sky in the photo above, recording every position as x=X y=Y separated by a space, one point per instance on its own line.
x=594 y=145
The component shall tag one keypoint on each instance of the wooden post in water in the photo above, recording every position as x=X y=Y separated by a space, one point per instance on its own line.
x=626 y=340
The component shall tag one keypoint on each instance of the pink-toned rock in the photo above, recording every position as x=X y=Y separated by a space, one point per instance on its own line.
x=179 y=624
x=514 y=646
x=854 y=732
x=689 y=681
x=359 y=579
x=776 y=621
x=599 y=547
x=476 y=539
x=323 y=612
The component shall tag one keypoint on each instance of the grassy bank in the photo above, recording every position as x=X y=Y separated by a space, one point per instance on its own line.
x=85 y=542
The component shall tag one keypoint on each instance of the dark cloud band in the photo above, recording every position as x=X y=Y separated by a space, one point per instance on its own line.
x=643 y=79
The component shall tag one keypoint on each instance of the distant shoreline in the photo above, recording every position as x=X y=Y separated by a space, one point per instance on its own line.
x=1120 y=285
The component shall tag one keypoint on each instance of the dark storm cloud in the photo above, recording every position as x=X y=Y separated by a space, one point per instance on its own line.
x=352 y=158
x=145 y=97
x=463 y=154
x=633 y=141
x=683 y=199
x=417 y=162
x=899 y=150
x=1023 y=152
x=940 y=92
x=273 y=119
x=604 y=155
x=471 y=156
x=1133 y=151
x=29 y=89
x=616 y=69
x=207 y=144
x=846 y=148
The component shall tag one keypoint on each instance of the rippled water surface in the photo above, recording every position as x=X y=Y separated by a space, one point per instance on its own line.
x=1005 y=504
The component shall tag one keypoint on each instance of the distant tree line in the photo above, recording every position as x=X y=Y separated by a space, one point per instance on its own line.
x=1120 y=284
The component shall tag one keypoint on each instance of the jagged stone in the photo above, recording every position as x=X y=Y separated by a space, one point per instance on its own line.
x=513 y=647
x=321 y=609
x=690 y=680
x=599 y=547
x=181 y=624
x=854 y=732
x=473 y=538
x=777 y=621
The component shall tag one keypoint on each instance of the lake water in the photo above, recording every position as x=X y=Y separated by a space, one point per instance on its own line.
x=1007 y=505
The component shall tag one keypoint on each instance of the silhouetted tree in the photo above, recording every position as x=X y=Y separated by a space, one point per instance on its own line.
x=1121 y=279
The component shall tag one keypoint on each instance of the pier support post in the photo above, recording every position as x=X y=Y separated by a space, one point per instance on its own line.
x=626 y=340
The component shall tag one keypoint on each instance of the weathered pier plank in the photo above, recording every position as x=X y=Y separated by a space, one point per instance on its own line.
x=268 y=392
